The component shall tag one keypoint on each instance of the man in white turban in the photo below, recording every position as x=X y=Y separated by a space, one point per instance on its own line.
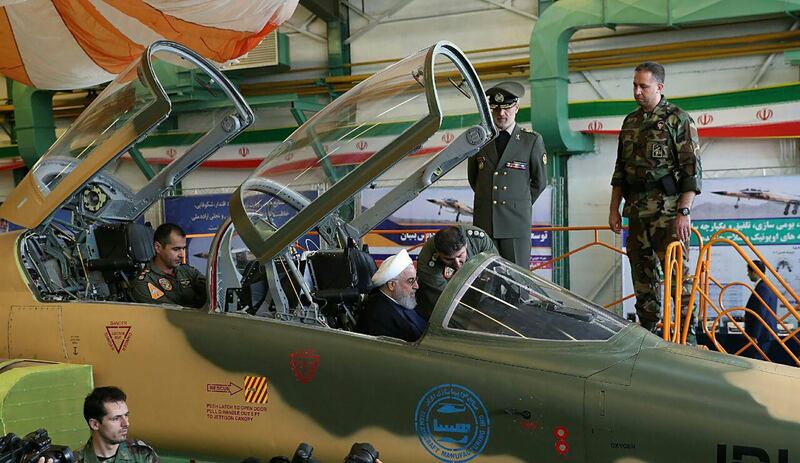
x=389 y=310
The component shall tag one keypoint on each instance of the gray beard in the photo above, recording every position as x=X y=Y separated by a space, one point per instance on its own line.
x=408 y=301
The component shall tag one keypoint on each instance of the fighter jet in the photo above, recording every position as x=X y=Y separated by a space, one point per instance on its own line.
x=791 y=202
x=511 y=367
x=453 y=205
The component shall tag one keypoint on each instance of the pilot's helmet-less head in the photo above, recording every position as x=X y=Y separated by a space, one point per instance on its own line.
x=451 y=247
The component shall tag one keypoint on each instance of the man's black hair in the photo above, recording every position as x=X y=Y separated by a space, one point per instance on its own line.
x=164 y=232
x=449 y=241
x=759 y=265
x=653 y=68
x=94 y=404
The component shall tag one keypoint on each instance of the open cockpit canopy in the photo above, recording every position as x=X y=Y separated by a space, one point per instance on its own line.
x=406 y=111
x=88 y=170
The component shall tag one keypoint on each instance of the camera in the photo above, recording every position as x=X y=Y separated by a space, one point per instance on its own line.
x=361 y=453
x=30 y=448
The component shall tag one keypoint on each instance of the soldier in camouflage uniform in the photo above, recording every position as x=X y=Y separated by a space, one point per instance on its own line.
x=507 y=176
x=106 y=413
x=658 y=173
x=442 y=256
x=166 y=279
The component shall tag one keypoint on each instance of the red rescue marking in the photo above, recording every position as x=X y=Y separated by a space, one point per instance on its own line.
x=304 y=365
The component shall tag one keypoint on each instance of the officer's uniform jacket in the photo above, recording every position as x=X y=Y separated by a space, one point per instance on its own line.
x=187 y=287
x=506 y=188
x=433 y=275
x=128 y=452
x=652 y=146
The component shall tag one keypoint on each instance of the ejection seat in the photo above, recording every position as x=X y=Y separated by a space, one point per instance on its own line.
x=341 y=279
x=121 y=251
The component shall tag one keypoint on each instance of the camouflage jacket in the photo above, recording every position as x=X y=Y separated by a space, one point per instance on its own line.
x=187 y=287
x=652 y=146
x=128 y=452
x=433 y=275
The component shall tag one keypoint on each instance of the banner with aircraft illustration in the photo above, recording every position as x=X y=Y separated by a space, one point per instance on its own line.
x=766 y=211
x=201 y=215
x=438 y=207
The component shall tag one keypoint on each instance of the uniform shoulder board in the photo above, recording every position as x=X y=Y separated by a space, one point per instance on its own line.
x=526 y=130
x=139 y=443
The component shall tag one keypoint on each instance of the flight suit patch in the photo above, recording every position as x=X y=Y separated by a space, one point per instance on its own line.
x=165 y=284
x=186 y=282
x=517 y=165
x=448 y=273
x=155 y=293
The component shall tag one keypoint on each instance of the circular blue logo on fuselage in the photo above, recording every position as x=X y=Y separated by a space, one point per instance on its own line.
x=452 y=423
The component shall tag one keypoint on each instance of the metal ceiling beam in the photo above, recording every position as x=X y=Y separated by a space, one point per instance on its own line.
x=305 y=32
x=377 y=21
x=512 y=9
x=760 y=73
x=327 y=10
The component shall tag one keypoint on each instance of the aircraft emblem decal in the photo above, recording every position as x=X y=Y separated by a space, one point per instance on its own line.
x=561 y=433
x=118 y=335
x=452 y=423
x=304 y=365
x=155 y=293
x=256 y=389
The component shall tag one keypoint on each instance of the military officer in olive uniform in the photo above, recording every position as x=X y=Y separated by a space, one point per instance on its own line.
x=658 y=173
x=166 y=279
x=106 y=413
x=442 y=256
x=507 y=176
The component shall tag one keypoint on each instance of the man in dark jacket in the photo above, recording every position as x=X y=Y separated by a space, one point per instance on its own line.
x=752 y=325
x=389 y=310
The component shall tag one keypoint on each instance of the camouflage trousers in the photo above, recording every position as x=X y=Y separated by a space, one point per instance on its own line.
x=648 y=239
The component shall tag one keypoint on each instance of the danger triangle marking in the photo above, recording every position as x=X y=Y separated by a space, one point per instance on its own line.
x=118 y=336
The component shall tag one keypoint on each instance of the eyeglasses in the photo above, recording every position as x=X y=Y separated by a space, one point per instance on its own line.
x=410 y=281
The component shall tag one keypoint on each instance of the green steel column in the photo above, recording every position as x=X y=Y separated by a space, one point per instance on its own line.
x=138 y=158
x=33 y=120
x=338 y=51
x=557 y=171
x=543 y=4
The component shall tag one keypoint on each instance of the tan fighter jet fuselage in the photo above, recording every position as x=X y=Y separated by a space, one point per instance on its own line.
x=188 y=375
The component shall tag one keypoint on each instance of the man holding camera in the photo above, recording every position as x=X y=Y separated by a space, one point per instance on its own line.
x=106 y=413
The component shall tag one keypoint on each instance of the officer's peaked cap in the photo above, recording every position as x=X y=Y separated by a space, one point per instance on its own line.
x=505 y=92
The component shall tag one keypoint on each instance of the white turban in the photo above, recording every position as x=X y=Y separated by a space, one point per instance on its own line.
x=392 y=267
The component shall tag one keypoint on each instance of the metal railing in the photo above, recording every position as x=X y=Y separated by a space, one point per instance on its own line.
x=700 y=295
